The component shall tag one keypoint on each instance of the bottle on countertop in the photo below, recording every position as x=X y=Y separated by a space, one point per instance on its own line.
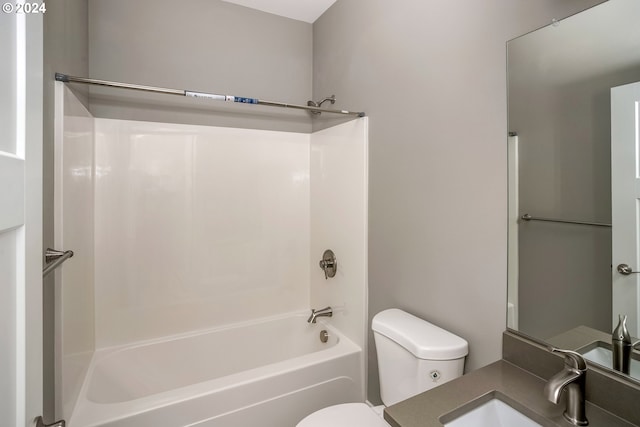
x=621 y=341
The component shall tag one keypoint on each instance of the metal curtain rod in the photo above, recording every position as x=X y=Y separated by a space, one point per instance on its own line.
x=243 y=100
x=527 y=217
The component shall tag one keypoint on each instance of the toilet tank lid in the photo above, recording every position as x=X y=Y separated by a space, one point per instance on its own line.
x=423 y=339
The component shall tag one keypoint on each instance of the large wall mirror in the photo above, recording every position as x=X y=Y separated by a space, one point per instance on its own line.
x=574 y=191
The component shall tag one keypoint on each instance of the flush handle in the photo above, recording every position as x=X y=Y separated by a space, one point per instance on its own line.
x=329 y=264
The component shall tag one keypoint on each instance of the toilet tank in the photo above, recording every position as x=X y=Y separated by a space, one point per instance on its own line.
x=414 y=355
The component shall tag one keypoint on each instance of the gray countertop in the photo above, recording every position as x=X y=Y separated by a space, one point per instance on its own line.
x=517 y=387
x=579 y=337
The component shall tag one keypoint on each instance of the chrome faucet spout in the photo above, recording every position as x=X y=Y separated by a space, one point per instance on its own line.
x=572 y=381
x=558 y=383
x=323 y=312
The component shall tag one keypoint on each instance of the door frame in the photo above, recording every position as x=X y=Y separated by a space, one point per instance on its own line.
x=23 y=219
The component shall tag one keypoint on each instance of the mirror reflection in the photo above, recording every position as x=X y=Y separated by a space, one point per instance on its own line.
x=573 y=118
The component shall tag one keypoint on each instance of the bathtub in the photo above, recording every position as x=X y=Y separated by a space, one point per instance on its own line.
x=268 y=373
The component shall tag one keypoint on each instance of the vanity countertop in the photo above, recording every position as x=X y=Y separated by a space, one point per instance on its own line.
x=578 y=338
x=517 y=387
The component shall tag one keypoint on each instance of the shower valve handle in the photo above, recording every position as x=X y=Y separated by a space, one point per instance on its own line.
x=328 y=264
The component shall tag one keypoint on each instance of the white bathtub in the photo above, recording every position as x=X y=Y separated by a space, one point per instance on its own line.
x=267 y=373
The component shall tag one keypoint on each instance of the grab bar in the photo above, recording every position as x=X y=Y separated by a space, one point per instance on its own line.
x=54 y=259
x=527 y=217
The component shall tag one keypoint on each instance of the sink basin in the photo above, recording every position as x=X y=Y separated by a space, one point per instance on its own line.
x=488 y=411
x=600 y=352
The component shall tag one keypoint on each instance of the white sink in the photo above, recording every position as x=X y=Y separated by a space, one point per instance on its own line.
x=602 y=355
x=494 y=413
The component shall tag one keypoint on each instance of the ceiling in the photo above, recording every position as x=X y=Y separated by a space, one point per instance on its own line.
x=301 y=10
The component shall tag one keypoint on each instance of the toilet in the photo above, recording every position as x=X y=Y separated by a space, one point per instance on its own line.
x=413 y=356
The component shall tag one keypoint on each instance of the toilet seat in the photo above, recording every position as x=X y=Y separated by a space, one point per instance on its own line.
x=344 y=415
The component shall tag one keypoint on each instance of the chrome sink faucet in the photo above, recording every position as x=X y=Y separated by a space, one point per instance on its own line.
x=323 y=312
x=571 y=380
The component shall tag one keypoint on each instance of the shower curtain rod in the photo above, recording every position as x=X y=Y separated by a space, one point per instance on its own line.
x=73 y=79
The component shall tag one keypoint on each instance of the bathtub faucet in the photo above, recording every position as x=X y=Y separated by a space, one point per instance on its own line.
x=323 y=312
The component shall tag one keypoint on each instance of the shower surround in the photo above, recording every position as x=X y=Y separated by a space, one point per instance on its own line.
x=184 y=229
x=196 y=227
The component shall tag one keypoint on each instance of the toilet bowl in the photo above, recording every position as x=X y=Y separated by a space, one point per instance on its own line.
x=413 y=356
x=344 y=415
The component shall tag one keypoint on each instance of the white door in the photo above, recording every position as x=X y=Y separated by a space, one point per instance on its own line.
x=625 y=201
x=514 y=219
x=20 y=218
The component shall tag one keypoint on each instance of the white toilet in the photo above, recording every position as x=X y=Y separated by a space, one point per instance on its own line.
x=413 y=356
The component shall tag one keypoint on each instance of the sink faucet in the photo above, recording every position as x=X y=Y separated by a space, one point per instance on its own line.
x=572 y=380
x=323 y=312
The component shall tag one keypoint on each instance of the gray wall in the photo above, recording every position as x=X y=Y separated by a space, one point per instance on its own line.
x=431 y=77
x=565 y=172
x=65 y=50
x=201 y=45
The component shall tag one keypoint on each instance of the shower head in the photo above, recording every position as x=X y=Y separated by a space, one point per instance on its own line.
x=318 y=104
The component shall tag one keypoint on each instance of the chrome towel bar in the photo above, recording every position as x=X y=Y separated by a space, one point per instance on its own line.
x=54 y=259
x=527 y=217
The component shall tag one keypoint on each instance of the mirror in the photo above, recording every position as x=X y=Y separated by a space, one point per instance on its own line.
x=562 y=286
